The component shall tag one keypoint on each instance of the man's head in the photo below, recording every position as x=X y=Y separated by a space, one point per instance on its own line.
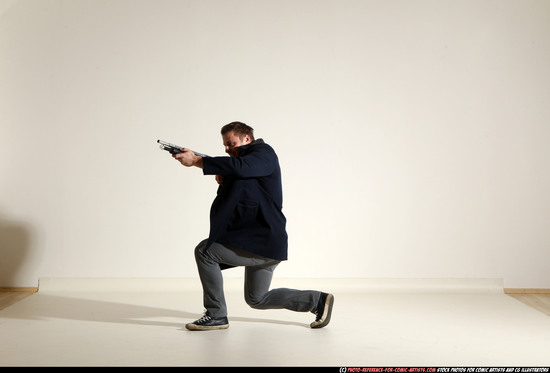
x=234 y=135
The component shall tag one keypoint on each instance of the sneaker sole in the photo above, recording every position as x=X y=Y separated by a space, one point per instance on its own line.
x=325 y=319
x=210 y=327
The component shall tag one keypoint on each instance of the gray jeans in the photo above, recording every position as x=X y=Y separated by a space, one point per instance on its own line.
x=257 y=280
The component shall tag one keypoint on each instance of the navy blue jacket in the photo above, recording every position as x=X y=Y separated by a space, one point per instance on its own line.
x=247 y=211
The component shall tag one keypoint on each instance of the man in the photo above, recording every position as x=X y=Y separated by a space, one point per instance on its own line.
x=247 y=228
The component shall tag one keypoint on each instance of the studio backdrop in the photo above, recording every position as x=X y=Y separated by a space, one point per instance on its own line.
x=412 y=135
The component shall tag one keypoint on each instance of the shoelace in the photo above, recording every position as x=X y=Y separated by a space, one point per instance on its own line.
x=318 y=315
x=203 y=319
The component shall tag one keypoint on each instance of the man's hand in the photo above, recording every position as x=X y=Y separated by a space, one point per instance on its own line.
x=219 y=179
x=188 y=158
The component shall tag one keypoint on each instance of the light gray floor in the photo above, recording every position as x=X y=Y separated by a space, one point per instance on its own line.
x=116 y=326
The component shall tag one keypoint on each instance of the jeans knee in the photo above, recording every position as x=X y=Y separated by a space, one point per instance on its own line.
x=199 y=250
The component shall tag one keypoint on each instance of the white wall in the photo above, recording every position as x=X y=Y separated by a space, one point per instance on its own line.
x=413 y=135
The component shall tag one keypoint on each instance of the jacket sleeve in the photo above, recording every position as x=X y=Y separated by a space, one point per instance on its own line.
x=256 y=163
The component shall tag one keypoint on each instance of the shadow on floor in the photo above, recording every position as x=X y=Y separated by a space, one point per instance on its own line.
x=63 y=307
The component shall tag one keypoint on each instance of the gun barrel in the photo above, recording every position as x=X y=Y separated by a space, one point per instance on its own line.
x=168 y=144
x=172 y=148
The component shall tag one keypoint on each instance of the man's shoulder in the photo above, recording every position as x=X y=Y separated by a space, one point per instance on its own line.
x=258 y=145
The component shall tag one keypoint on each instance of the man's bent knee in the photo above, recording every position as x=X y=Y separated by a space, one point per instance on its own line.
x=254 y=301
x=199 y=250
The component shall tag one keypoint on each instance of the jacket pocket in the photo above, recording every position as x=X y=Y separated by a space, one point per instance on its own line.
x=245 y=215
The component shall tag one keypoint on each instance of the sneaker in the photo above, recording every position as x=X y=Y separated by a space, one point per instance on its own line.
x=323 y=311
x=208 y=323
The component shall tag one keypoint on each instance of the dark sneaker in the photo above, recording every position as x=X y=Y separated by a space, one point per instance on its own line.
x=208 y=323
x=323 y=311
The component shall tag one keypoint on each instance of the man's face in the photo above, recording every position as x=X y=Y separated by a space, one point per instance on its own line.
x=231 y=142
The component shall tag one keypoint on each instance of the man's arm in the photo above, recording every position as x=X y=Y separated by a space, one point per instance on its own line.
x=257 y=163
x=188 y=158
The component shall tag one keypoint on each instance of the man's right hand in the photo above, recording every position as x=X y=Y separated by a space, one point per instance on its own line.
x=188 y=158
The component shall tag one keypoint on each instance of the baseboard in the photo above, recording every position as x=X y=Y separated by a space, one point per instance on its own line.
x=182 y=284
x=17 y=289
x=526 y=291
x=20 y=289
x=236 y=284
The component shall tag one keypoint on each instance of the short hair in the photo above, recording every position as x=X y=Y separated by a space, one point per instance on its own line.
x=240 y=129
